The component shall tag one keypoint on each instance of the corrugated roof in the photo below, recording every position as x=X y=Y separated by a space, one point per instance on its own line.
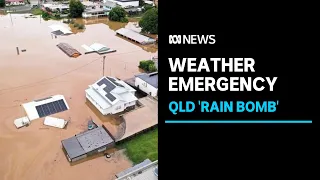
x=69 y=50
x=94 y=139
x=73 y=147
x=129 y=170
x=151 y=78
x=87 y=141
x=134 y=35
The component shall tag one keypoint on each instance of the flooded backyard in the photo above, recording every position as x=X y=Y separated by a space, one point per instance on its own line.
x=34 y=152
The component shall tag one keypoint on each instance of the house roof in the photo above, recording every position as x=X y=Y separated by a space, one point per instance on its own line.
x=87 y=141
x=99 y=47
x=134 y=35
x=56 y=27
x=151 y=78
x=107 y=91
x=109 y=4
x=134 y=168
x=53 y=103
x=148 y=171
x=14 y=0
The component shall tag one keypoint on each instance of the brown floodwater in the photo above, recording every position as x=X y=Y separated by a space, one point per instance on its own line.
x=113 y=25
x=34 y=152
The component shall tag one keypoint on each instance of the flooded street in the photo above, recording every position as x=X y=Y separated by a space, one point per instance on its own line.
x=34 y=152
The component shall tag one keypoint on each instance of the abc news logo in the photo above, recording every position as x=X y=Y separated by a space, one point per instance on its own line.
x=192 y=39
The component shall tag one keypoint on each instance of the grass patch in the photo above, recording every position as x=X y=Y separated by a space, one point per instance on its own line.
x=36 y=11
x=142 y=147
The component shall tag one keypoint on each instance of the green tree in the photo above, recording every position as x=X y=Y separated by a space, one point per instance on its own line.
x=76 y=8
x=45 y=15
x=152 y=68
x=2 y=3
x=149 y=21
x=148 y=65
x=118 y=14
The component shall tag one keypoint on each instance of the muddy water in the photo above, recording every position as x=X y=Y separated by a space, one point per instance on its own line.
x=34 y=152
x=113 y=26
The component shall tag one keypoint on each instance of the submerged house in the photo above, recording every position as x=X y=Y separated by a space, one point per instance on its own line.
x=134 y=36
x=147 y=83
x=125 y=3
x=68 y=50
x=110 y=95
x=99 y=10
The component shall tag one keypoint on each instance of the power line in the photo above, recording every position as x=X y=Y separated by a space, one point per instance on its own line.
x=30 y=84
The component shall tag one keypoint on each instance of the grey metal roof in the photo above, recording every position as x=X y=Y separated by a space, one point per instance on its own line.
x=73 y=147
x=134 y=168
x=94 y=139
x=134 y=36
x=87 y=141
x=151 y=78
x=109 y=87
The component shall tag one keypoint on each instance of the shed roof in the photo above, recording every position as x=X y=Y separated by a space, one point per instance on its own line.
x=60 y=28
x=69 y=50
x=73 y=147
x=151 y=78
x=134 y=35
x=87 y=141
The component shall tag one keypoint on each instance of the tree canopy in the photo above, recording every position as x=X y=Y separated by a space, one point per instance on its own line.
x=2 y=3
x=76 y=8
x=149 y=21
x=118 y=14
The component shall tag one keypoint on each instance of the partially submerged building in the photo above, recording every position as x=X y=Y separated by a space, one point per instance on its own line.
x=14 y=2
x=69 y=50
x=87 y=143
x=97 y=48
x=147 y=83
x=134 y=36
x=110 y=95
x=145 y=170
x=125 y=3
x=44 y=107
x=98 y=10
x=59 y=30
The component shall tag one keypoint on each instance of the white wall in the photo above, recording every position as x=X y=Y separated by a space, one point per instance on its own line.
x=117 y=108
x=145 y=87
x=95 y=104
x=125 y=4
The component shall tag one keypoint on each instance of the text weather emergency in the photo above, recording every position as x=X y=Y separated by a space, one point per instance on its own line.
x=221 y=83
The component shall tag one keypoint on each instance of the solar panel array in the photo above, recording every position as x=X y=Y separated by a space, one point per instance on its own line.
x=51 y=108
x=109 y=87
x=114 y=82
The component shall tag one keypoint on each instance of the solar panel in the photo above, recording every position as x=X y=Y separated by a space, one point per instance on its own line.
x=51 y=108
x=114 y=82
x=110 y=97
x=109 y=87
